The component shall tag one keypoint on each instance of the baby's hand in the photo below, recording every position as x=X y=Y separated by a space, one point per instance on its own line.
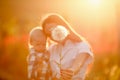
x=67 y=74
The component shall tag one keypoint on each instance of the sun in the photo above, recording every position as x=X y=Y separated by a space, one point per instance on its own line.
x=94 y=2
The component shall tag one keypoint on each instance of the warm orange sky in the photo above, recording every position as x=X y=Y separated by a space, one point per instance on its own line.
x=97 y=20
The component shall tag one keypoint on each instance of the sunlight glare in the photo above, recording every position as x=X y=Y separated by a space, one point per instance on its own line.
x=94 y=2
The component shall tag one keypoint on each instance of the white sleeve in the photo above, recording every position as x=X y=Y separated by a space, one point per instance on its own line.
x=50 y=48
x=84 y=47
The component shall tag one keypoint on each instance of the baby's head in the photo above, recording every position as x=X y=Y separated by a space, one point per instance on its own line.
x=37 y=39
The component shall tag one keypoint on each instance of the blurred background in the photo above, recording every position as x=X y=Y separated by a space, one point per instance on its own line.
x=96 y=20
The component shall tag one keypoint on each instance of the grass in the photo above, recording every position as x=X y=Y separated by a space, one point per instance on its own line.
x=105 y=67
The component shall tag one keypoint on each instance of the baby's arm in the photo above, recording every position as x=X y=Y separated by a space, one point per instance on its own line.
x=31 y=62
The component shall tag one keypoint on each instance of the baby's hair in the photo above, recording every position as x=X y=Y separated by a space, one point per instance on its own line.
x=38 y=28
x=34 y=29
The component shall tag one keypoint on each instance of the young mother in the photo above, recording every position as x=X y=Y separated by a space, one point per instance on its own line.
x=71 y=54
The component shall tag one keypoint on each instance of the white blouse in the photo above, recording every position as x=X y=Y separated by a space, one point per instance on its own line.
x=63 y=57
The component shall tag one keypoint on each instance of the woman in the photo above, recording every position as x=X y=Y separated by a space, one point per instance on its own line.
x=71 y=54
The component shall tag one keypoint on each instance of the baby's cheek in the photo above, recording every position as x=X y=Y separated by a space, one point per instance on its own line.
x=36 y=48
x=42 y=47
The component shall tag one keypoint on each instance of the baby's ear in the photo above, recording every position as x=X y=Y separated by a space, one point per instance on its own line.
x=31 y=42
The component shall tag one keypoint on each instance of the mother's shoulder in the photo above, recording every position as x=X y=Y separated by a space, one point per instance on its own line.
x=52 y=46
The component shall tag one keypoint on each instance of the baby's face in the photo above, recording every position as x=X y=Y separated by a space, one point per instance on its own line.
x=39 y=42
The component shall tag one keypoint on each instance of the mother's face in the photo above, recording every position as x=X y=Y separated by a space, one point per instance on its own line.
x=56 y=32
x=48 y=28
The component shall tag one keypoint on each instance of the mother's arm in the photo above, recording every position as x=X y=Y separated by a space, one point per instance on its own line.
x=79 y=61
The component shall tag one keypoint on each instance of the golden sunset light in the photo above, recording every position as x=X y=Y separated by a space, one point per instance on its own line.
x=98 y=21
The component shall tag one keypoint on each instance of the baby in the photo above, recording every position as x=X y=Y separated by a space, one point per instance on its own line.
x=38 y=59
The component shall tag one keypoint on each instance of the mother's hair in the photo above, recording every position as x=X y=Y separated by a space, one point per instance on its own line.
x=58 y=19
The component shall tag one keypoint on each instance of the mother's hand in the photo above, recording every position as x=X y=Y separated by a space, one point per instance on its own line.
x=67 y=74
